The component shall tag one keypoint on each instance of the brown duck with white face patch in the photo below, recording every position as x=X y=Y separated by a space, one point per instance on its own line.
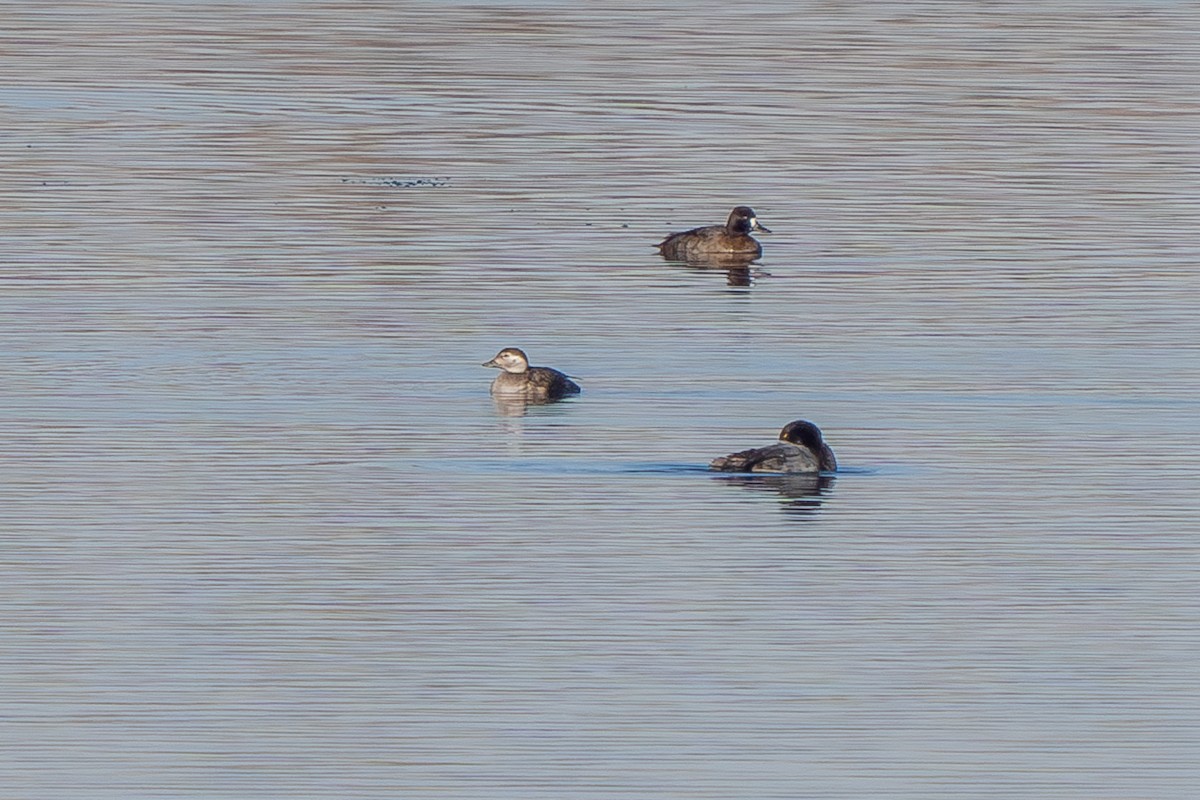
x=801 y=448
x=519 y=380
x=731 y=239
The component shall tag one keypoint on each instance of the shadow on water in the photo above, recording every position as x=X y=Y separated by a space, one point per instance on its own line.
x=801 y=493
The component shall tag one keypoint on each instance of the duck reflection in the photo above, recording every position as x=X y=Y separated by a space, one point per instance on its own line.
x=517 y=405
x=801 y=493
x=739 y=276
x=737 y=268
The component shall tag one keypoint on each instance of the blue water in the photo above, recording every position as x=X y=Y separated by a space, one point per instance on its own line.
x=266 y=535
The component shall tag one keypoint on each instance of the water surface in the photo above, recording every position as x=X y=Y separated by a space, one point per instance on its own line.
x=267 y=536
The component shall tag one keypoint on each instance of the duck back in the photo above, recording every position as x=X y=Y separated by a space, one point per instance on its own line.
x=708 y=241
x=780 y=457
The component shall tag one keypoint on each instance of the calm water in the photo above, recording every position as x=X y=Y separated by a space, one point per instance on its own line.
x=265 y=534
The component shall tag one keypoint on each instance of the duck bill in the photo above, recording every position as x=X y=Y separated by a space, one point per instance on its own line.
x=760 y=228
x=491 y=363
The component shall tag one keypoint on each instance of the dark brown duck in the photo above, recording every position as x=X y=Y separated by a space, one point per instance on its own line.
x=801 y=448
x=732 y=238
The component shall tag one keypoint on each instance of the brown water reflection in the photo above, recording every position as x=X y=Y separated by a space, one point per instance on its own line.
x=739 y=271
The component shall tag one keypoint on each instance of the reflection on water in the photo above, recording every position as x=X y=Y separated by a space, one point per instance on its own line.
x=266 y=534
x=800 y=493
x=518 y=406
x=739 y=276
x=738 y=269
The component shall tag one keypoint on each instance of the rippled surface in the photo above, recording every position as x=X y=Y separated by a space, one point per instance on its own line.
x=267 y=536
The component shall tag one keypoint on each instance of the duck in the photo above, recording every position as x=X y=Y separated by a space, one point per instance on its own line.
x=519 y=380
x=801 y=448
x=731 y=239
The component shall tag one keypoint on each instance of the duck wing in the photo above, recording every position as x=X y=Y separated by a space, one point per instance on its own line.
x=551 y=382
x=781 y=457
x=677 y=245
